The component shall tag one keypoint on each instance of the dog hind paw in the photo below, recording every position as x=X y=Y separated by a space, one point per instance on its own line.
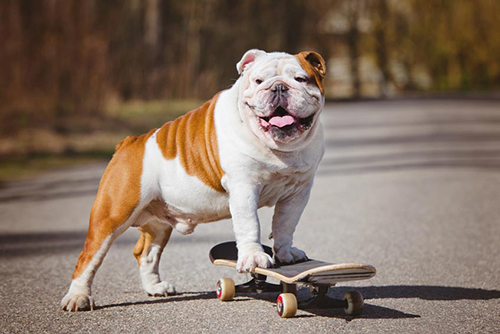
x=161 y=289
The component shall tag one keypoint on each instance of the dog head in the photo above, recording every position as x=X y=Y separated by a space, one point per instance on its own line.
x=281 y=95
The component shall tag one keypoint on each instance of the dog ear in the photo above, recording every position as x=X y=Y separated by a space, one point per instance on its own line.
x=247 y=59
x=316 y=61
x=315 y=67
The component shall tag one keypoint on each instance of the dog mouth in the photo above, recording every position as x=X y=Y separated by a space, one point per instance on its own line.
x=283 y=121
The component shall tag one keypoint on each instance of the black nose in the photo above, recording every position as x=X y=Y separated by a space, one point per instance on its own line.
x=279 y=87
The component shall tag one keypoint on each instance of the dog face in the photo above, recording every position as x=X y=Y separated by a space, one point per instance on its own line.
x=281 y=95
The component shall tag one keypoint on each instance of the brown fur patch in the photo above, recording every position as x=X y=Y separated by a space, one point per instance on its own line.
x=315 y=67
x=151 y=234
x=118 y=195
x=192 y=138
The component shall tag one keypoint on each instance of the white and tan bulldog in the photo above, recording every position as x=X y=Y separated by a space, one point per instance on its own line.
x=256 y=144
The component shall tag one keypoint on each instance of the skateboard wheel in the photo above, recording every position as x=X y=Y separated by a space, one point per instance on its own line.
x=286 y=305
x=355 y=303
x=225 y=289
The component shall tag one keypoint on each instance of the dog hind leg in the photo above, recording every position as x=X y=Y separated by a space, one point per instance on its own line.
x=115 y=208
x=147 y=251
x=97 y=243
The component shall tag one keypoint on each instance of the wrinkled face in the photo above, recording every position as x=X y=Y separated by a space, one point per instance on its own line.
x=281 y=95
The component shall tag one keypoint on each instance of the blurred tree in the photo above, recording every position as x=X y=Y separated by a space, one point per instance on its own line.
x=381 y=30
x=354 y=10
x=61 y=61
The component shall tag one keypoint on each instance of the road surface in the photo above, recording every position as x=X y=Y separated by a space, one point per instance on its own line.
x=410 y=186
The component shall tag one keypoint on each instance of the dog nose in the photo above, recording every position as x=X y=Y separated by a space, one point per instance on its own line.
x=279 y=87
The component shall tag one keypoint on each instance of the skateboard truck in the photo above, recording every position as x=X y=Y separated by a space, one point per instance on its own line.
x=258 y=284
x=319 y=299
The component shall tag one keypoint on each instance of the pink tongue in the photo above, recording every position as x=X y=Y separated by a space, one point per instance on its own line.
x=281 y=121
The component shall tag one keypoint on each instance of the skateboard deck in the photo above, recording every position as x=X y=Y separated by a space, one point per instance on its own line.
x=312 y=272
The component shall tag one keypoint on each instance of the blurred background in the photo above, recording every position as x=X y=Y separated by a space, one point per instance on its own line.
x=78 y=76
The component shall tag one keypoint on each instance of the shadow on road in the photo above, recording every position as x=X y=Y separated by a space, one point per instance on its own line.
x=384 y=166
x=45 y=243
x=400 y=138
x=426 y=292
x=370 y=311
x=43 y=190
x=447 y=121
x=202 y=295
x=482 y=159
x=423 y=138
x=29 y=244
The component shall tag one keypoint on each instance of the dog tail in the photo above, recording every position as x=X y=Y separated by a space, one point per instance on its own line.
x=127 y=140
x=131 y=139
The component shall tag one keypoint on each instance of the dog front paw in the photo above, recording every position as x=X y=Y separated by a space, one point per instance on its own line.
x=288 y=255
x=251 y=257
x=161 y=289
x=77 y=302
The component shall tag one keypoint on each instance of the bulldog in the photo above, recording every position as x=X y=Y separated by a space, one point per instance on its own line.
x=255 y=144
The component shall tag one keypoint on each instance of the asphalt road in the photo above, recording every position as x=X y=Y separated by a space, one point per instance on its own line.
x=411 y=187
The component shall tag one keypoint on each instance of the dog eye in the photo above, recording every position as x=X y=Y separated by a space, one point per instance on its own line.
x=301 y=79
x=258 y=81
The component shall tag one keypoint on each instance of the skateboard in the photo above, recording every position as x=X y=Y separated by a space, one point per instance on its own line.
x=318 y=275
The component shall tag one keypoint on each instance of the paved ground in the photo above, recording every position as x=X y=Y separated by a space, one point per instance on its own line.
x=412 y=187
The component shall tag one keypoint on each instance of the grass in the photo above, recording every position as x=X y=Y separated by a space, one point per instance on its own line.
x=35 y=151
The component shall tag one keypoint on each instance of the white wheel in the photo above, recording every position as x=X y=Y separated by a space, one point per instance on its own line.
x=286 y=305
x=225 y=289
x=355 y=303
